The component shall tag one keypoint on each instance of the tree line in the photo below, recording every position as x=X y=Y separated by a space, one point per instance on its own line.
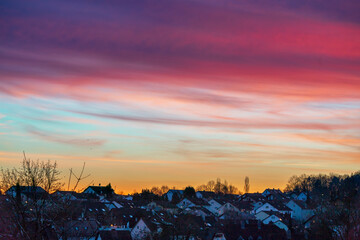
x=217 y=186
x=336 y=200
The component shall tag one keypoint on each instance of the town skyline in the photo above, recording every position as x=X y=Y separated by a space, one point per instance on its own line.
x=311 y=207
x=68 y=183
x=182 y=92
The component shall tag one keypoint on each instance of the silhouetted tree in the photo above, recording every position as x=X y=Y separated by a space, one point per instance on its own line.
x=32 y=216
x=189 y=192
x=164 y=189
x=218 y=187
x=146 y=194
x=247 y=184
x=109 y=190
x=337 y=198
x=156 y=191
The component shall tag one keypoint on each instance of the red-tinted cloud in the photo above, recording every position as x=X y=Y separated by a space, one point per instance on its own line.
x=288 y=49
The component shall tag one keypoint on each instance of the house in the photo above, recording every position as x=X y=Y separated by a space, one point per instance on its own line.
x=128 y=197
x=227 y=208
x=274 y=194
x=213 y=206
x=25 y=190
x=172 y=192
x=252 y=197
x=125 y=217
x=111 y=204
x=273 y=206
x=299 y=210
x=302 y=197
x=205 y=194
x=198 y=211
x=185 y=203
x=292 y=195
x=99 y=190
x=269 y=191
x=162 y=206
x=28 y=193
x=144 y=229
x=272 y=218
x=266 y=207
x=261 y=215
x=257 y=204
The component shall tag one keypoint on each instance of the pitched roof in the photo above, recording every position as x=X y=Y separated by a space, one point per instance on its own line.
x=273 y=190
x=198 y=201
x=276 y=193
x=174 y=191
x=207 y=194
x=256 y=197
x=279 y=205
x=277 y=214
x=64 y=192
x=101 y=190
x=300 y=203
x=27 y=189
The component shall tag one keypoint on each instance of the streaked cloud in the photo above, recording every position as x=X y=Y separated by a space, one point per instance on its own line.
x=65 y=139
x=222 y=87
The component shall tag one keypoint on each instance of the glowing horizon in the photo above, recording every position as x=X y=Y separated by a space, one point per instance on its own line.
x=179 y=93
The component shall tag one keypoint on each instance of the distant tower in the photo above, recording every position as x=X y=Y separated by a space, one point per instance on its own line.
x=247 y=185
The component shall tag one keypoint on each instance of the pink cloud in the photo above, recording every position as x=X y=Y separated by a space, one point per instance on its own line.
x=65 y=139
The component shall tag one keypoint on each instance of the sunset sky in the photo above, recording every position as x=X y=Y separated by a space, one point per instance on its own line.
x=177 y=93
